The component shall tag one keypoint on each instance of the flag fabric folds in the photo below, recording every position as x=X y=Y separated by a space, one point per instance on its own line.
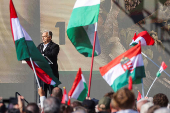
x=25 y=48
x=79 y=88
x=144 y=38
x=64 y=98
x=130 y=63
x=81 y=27
x=162 y=68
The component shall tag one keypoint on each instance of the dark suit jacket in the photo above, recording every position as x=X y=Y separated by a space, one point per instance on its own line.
x=51 y=51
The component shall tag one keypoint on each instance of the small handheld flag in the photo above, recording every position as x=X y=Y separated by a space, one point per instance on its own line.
x=162 y=68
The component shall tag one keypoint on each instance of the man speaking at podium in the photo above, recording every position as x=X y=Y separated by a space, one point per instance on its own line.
x=50 y=51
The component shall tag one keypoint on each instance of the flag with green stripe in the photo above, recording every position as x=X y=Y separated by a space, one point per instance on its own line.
x=81 y=28
x=25 y=48
x=79 y=88
x=130 y=63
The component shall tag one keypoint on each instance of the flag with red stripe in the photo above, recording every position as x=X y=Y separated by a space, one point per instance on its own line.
x=79 y=88
x=130 y=63
x=25 y=48
x=144 y=38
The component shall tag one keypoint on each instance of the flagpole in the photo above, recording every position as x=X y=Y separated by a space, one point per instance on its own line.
x=151 y=86
x=154 y=63
x=143 y=93
x=35 y=72
x=92 y=59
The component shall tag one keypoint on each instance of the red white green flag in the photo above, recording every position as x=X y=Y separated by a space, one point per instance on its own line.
x=139 y=96
x=79 y=88
x=117 y=72
x=162 y=68
x=144 y=38
x=81 y=27
x=64 y=98
x=25 y=48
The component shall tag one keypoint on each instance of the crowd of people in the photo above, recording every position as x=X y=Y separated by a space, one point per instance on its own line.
x=122 y=101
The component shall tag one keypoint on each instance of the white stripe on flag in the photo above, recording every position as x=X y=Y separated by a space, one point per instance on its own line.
x=82 y=3
x=16 y=27
x=117 y=70
x=78 y=90
x=90 y=30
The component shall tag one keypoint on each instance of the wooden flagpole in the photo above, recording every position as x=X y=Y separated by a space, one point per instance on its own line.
x=94 y=43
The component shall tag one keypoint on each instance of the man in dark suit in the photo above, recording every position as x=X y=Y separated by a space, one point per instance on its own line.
x=50 y=51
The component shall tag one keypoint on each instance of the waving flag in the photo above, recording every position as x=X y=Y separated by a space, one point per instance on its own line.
x=144 y=38
x=25 y=48
x=79 y=87
x=117 y=72
x=81 y=27
x=162 y=68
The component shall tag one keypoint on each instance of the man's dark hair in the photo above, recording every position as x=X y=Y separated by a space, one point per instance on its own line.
x=51 y=105
x=161 y=100
x=57 y=93
x=50 y=34
x=33 y=108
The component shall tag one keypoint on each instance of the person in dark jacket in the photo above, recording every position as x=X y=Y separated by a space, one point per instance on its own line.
x=50 y=51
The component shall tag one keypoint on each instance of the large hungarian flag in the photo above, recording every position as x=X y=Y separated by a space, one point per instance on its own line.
x=130 y=63
x=144 y=38
x=25 y=48
x=79 y=88
x=81 y=27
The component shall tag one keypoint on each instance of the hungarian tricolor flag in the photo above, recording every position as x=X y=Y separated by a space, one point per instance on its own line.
x=163 y=67
x=117 y=72
x=64 y=98
x=144 y=38
x=79 y=88
x=25 y=48
x=81 y=27
x=139 y=96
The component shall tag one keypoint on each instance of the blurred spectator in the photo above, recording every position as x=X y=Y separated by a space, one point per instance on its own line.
x=140 y=103
x=33 y=108
x=153 y=108
x=145 y=107
x=51 y=105
x=112 y=107
x=161 y=100
x=13 y=110
x=89 y=105
x=124 y=101
x=79 y=109
x=162 y=110
x=75 y=104
x=104 y=104
x=57 y=93
x=64 y=108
